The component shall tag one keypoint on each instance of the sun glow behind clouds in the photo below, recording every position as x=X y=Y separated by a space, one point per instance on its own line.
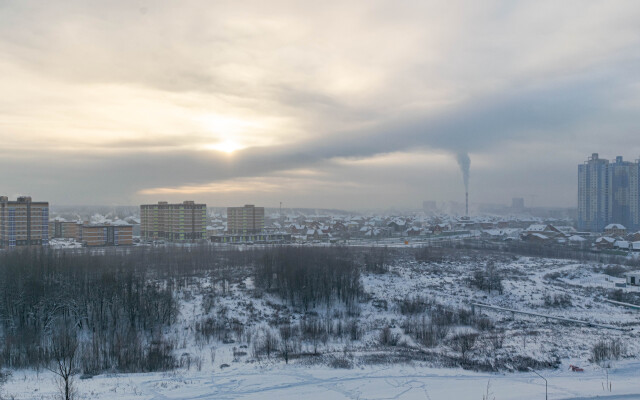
x=227 y=146
x=230 y=134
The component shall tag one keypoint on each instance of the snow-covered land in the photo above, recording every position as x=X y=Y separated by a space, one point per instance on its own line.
x=411 y=333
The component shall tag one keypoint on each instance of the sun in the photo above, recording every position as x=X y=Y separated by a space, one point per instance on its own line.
x=224 y=128
x=226 y=147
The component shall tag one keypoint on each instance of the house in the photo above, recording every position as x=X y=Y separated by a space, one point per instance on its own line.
x=372 y=232
x=397 y=225
x=634 y=237
x=339 y=227
x=605 y=242
x=633 y=278
x=615 y=230
x=297 y=229
x=498 y=234
x=316 y=234
x=413 y=231
x=621 y=245
x=535 y=237
x=439 y=228
x=576 y=240
x=634 y=246
x=547 y=230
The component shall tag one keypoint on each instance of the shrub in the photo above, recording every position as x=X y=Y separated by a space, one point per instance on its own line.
x=340 y=363
x=606 y=350
x=388 y=338
x=414 y=305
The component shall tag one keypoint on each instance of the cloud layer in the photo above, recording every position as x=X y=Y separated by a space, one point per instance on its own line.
x=364 y=104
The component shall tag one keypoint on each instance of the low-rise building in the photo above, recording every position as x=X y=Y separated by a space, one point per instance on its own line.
x=633 y=278
x=545 y=229
x=253 y=238
x=605 y=242
x=65 y=229
x=615 y=230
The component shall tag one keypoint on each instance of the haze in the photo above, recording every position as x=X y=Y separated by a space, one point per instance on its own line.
x=361 y=104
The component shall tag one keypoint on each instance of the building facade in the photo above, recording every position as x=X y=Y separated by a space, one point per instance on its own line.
x=65 y=229
x=106 y=235
x=182 y=222
x=608 y=192
x=245 y=220
x=23 y=222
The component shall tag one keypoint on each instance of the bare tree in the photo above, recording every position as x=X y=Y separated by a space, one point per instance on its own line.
x=464 y=343
x=63 y=355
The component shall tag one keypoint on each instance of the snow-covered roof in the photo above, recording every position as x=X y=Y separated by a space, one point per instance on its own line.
x=605 y=239
x=536 y=228
x=540 y=236
x=614 y=226
x=576 y=238
x=622 y=244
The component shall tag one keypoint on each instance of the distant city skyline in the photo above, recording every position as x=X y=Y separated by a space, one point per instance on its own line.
x=359 y=105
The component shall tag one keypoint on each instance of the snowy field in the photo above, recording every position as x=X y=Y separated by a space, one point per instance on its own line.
x=407 y=369
x=322 y=383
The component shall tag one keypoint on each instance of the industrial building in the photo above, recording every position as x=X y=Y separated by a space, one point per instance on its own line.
x=245 y=220
x=182 y=222
x=23 y=222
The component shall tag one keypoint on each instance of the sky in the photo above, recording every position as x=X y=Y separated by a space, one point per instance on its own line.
x=333 y=104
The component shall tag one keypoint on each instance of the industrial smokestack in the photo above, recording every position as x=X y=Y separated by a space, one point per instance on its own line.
x=466 y=208
x=465 y=165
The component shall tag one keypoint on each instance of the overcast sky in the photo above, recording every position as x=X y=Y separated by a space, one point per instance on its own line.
x=333 y=104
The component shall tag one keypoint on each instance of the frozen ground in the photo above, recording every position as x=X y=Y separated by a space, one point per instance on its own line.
x=526 y=282
x=252 y=381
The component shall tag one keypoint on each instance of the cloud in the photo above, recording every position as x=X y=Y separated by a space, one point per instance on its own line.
x=109 y=99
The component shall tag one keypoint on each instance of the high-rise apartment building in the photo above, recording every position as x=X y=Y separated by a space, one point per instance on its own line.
x=634 y=196
x=608 y=192
x=593 y=194
x=23 y=222
x=182 y=222
x=620 y=192
x=244 y=220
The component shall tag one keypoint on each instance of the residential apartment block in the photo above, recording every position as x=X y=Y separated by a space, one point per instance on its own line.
x=244 y=220
x=182 y=222
x=608 y=192
x=23 y=222
x=65 y=229
x=106 y=235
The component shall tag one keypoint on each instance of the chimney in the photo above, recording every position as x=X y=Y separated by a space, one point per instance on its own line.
x=466 y=209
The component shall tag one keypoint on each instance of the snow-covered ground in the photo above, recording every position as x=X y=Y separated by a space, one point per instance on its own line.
x=282 y=382
x=230 y=371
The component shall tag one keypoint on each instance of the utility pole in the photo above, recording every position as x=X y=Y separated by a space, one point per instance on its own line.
x=546 y=395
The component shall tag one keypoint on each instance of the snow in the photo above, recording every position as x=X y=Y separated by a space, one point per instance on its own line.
x=614 y=226
x=255 y=381
x=526 y=281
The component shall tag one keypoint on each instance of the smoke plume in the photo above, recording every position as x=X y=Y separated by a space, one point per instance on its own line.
x=465 y=163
